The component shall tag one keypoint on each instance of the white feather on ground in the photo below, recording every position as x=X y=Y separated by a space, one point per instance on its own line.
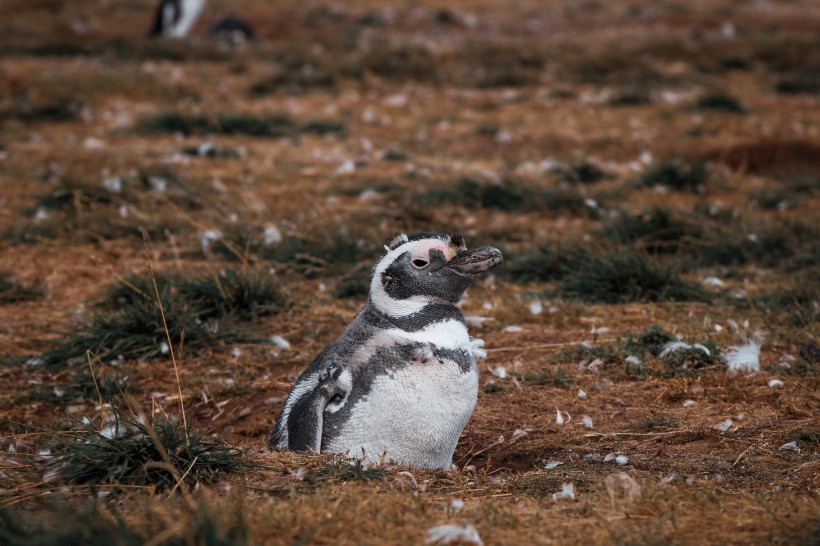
x=673 y=346
x=567 y=492
x=743 y=358
x=445 y=534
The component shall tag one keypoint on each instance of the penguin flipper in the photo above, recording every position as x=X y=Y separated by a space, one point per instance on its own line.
x=306 y=419
x=305 y=422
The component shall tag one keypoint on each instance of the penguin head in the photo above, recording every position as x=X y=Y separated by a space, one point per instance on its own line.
x=427 y=268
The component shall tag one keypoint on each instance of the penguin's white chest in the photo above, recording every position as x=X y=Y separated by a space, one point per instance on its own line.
x=416 y=414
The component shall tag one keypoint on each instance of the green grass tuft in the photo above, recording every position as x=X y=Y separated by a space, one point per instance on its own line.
x=267 y=126
x=60 y=109
x=507 y=196
x=624 y=274
x=797 y=304
x=550 y=378
x=657 y=231
x=343 y=469
x=678 y=175
x=492 y=387
x=645 y=346
x=313 y=257
x=546 y=263
x=279 y=126
x=804 y=82
x=582 y=172
x=64 y=525
x=721 y=102
x=132 y=452
x=11 y=291
x=211 y=311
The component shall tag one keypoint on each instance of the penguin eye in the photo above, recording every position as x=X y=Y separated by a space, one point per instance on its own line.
x=419 y=263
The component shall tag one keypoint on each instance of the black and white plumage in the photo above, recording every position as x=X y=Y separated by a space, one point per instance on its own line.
x=401 y=382
x=231 y=29
x=174 y=18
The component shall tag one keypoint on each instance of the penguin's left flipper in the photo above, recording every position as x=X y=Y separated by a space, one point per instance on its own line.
x=306 y=418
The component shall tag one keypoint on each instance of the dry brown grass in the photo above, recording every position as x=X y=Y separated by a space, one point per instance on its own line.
x=428 y=98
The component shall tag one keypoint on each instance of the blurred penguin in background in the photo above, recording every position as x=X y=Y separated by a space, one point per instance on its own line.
x=231 y=29
x=174 y=18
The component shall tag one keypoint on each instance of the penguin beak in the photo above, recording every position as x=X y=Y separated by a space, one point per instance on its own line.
x=475 y=262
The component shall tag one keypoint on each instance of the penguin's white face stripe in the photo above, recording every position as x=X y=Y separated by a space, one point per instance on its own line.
x=422 y=251
x=408 y=306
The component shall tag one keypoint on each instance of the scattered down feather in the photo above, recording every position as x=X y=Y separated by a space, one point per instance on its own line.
x=445 y=534
x=673 y=346
x=743 y=358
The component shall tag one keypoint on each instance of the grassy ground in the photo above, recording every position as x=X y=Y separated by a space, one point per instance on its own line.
x=650 y=171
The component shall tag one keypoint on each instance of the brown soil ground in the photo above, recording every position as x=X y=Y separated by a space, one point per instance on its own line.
x=428 y=93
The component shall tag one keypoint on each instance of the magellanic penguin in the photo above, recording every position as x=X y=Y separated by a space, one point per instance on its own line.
x=231 y=29
x=174 y=18
x=401 y=382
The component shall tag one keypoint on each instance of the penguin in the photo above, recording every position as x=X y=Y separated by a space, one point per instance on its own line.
x=174 y=18
x=401 y=382
x=232 y=30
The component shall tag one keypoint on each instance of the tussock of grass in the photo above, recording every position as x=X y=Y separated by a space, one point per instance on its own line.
x=657 y=421
x=549 y=378
x=123 y=48
x=688 y=361
x=89 y=212
x=244 y=294
x=323 y=127
x=53 y=111
x=582 y=172
x=546 y=263
x=297 y=77
x=678 y=175
x=408 y=62
x=607 y=275
x=645 y=347
x=80 y=387
x=326 y=253
x=62 y=525
x=801 y=83
x=279 y=126
x=721 y=102
x=624 y=274
x=797 y=304
x=173 y=122
x=507 y=196
x=355 y=283
x=492 y=387
x=211 y=311
x=657 y=231
x=134 y=451
x=11 y=291
x=343 y=469
x=768 y=246
x=734 y=63
x=86 y=526
x=631 y=97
